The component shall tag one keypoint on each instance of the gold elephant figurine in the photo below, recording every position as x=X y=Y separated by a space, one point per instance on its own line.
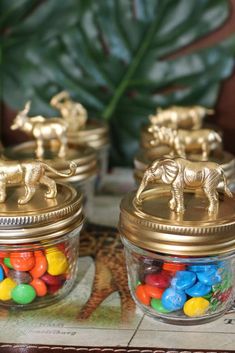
x=30 y=174
x=181 y=173
x=182 y=141
x=181 y=117
x=42 y=129
x=72 y=112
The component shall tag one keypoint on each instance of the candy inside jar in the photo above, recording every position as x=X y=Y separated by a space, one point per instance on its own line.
x=179 y=244
x=175 y=288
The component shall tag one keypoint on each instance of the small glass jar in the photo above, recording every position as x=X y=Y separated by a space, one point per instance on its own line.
x=94 y=134
x=86 y=173
x=39 y=244
x=180 y=266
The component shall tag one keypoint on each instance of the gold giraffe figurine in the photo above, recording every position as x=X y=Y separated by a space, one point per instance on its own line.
x=180 y=173
x=42 y=129
x=29 y=174
x=72 y=112
x=181 y=117
x=182 y=141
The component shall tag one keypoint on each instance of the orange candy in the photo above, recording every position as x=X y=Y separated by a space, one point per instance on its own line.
x=173 y=266
x=40 y=266
x=22 y=261
x=153 y=291
x=39 y=286
x=141 y=295
x=4 y=254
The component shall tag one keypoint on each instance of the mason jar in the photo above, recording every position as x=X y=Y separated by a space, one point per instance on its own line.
x=39 y=245
x=86 y=173
x=94 y=134
x=180 y=266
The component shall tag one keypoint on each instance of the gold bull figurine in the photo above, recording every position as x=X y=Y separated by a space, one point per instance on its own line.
x=181 y=117
x=42 y=129
x=182 y=141
x=30 y=174
x=72 y=112
x=180 y=173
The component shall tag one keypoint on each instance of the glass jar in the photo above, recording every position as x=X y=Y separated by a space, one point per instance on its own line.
x=39 y=244
x=86 y=173
x=180 y=265
x=94 y=134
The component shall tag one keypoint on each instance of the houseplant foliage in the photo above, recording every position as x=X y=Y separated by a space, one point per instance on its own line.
x=114 y=56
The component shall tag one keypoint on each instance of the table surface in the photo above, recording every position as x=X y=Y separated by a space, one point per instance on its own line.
x=75 y=325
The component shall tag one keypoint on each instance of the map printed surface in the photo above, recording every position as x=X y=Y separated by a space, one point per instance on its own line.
x=60 y=323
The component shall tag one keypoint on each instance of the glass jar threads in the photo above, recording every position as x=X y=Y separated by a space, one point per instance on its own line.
x=39 y=244
x=179 y=254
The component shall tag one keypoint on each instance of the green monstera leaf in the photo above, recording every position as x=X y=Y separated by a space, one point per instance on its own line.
x=114 y=56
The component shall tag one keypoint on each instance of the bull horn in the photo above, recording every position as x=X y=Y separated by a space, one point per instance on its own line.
x=210 y=111
x=27 y=106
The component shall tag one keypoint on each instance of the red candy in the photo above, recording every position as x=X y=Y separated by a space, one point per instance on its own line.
x=52 y=280
x=141 y=294
x=160 y=280
x=22 y=261
x=54 y=288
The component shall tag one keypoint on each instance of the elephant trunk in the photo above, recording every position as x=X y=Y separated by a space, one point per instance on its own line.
x=142 y=186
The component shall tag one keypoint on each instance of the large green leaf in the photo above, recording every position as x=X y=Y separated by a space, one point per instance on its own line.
x=112 y=56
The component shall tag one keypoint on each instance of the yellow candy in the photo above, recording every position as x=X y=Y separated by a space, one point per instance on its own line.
x=6 y=287
x=196 y=306
x=57 y=262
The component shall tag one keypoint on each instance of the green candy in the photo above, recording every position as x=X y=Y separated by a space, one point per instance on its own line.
x=156 y=304
x=7 y=262
x=23 y=294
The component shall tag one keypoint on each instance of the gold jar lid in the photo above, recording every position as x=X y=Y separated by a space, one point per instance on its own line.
x=94 y=134
x=153 y=226
x=84 y=157
x=225 y=159
x=41 y=219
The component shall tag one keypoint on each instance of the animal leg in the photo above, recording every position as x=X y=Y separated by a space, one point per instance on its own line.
x=179 y=198
x=63 y=146
x=39 y=150
x=205 y=151
x=2 y=188
x=213 y=198
x=29 y=192
x=172 y=202
x=51 y=184
x=101 y=289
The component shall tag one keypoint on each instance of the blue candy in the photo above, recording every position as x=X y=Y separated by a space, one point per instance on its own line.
x=183 y=280
x=198 y=290
x=209 y=278
x=1 y=274
x=173 y=299
x=202 y=268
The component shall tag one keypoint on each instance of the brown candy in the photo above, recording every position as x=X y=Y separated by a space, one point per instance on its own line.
x=20 y=276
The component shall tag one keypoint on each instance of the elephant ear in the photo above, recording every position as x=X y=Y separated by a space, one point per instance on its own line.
x=170 y=170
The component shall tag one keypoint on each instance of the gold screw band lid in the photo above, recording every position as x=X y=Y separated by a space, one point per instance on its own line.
x=153 y=226
x=94 y=134
x=40 y=218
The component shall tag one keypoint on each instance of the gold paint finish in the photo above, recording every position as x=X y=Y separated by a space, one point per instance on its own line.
x=181 y=117
x=84 y=157
x=153 y=226
x=41 y=218
x=42 y=130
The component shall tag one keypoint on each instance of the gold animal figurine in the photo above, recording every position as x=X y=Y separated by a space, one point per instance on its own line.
x=181 y=173
x=42 y=129
x=182 y=141
x=181 y=117
x=72 y=112
x=30 y=174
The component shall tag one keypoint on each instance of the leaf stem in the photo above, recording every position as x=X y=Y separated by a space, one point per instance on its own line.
x=107 y=113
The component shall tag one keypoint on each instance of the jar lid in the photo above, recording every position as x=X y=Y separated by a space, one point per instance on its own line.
x=225 y=159
x=152 y=225
x=94 y=134
x=84 y=157
x=41 y=218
